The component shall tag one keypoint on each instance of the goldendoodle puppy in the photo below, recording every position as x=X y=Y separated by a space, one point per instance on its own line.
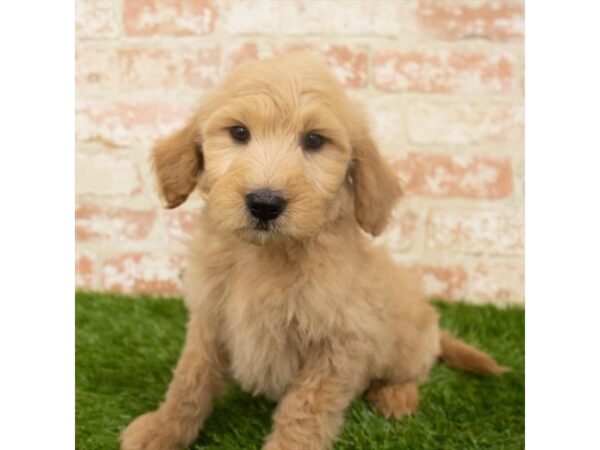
x=286 y=293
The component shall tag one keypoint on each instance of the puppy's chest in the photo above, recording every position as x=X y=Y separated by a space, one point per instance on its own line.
x=268 y=336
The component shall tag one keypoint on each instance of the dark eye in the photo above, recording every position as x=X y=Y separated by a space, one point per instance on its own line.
x=240 y=134
x=312 y=141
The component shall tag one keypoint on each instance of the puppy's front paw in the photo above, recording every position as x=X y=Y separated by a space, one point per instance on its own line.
x=272 y=445
x=277 y=443
x=150 y=431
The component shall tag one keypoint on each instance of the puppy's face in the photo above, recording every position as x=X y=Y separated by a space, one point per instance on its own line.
x=275 y=158
x=279 y=151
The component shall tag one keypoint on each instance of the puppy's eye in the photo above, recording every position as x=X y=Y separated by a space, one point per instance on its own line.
x=240 y=134
x=312 y=141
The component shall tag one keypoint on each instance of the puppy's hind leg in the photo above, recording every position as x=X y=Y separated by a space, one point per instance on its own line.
x=394 y=400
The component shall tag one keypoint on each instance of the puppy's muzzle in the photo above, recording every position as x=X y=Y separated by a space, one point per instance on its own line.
x=265 y=204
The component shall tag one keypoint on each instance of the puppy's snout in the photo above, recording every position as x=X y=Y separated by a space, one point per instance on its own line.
x=265 y=204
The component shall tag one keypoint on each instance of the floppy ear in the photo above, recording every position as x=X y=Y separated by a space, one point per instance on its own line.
x=177 y=162
x=376 y=187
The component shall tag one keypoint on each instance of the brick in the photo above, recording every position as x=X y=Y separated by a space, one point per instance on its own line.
x=97 y=223
x=143 y=272
x=106 y=175
x=135 y=67
x=126 y=124
x=431 y=122
x=169 y=17
x=445 y=282
x=400 y=233
x=201 y=66
x=453 y=19
x=96 y=19
x=84 y=271
x=387 y=119
x=348 y=63
x=444 y=70
x=179 y=224
x=500 y=282
x=293 y=17
x=462 y=176
x=96 y=67
x=493 y=231
x=145 y=68
x=234 y=55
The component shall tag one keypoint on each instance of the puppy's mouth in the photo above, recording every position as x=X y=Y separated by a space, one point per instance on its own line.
x=262 y=225
x=266 y=229
x=260 y=232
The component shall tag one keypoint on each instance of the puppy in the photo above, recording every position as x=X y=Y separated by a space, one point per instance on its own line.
x=286 y=293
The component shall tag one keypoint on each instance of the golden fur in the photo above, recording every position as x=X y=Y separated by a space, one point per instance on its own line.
x=310 y=312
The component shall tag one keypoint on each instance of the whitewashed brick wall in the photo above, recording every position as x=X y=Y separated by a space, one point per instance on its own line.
x=443 y=81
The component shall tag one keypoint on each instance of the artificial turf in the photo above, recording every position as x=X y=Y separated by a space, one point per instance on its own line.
x=127 y=347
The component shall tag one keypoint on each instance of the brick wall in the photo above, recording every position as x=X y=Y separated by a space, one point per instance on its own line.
x=443 y=81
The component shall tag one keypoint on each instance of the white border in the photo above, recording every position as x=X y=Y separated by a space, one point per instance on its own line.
x=563 y=224
x=36 y=229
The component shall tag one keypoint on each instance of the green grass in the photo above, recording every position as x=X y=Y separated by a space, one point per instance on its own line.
x=127 y=347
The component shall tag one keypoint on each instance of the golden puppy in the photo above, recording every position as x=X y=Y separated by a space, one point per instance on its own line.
x=285 y=293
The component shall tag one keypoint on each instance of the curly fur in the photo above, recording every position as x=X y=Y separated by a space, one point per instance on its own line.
x=309 y=313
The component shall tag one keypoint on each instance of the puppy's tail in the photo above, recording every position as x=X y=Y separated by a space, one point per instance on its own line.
x=460 y=355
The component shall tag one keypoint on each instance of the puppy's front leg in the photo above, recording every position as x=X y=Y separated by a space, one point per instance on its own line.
x=311 y=412
x=200 y=376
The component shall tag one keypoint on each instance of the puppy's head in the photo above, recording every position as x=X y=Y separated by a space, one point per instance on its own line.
x=279 y=152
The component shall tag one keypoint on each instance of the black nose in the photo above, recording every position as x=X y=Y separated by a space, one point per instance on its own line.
x=265 y=204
